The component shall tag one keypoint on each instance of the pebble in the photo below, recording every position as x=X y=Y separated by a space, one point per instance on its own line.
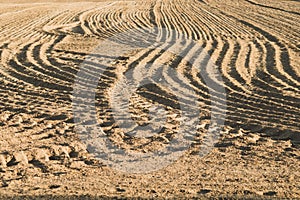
x=2 y=161
x=21 y=157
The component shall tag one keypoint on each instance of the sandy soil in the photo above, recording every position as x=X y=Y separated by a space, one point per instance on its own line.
x=253 y=45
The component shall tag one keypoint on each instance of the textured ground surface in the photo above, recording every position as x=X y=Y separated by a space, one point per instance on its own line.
x=254 y=46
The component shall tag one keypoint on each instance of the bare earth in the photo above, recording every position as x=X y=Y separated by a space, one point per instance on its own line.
x=254 y=45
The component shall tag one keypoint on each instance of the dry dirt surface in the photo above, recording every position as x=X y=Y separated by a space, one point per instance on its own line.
x=254 y=46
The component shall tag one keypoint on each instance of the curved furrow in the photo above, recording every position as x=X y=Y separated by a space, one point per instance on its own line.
x=283 y=58
x=116 y=24
x=178 y=83
x=236 y=101
x=221 y=25
x=92 y=22
x=199 y=21
x=232 y=71
x=35 y=57
x=164 y=22
x=136 y=21
x=243 y=60
x=285 y=68
x=230 y=51
x=19 y=72
x=38 y=100
x=263 y=87
x=148 y=59
x=282 y=61
x=271 y=7
x=40 y=59
x=30 y=13
x=86 y=22
x=180 y=26
x=256 y=102
x=35 y=73
x=193 y=25
x=267 y=22
x=150 y=62
x=214 y=25
x=9 y=9
x=60 y=19
x=186 y=19
x=234 y=114
x=229 y=22
x=273 y=62
x=285 y=30
x=267 y=89
x=255 y=59
x=12 y=28
x=29 y=29
x=157 y=18
x=191 y=28
x=162 y=73
x=140 y=18
x=224 y=25
x=123 y=20
x=278 y=17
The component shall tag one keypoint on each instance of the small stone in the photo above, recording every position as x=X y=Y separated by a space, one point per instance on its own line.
x=42 y=155
x=4 y=117
x=21 y=157
x=2 y=161
x=17 y=120
x=49 y=125
x=65 y=152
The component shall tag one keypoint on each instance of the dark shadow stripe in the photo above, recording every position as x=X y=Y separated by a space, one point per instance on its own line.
x=274 y=8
